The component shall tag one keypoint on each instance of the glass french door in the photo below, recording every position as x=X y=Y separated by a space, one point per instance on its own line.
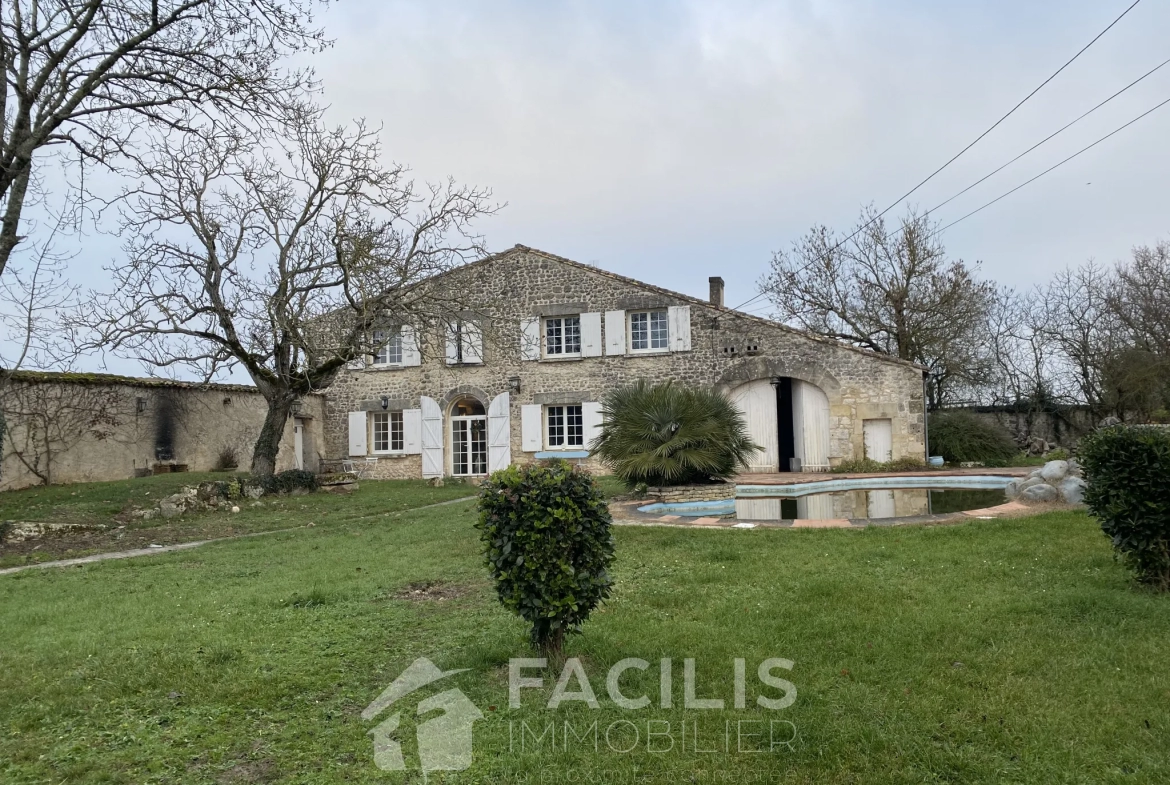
x=469 y=453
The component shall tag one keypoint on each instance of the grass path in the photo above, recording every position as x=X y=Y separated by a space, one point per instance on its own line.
x=994 y=651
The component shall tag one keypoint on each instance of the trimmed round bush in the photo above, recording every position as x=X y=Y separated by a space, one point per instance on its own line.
x=666 y=434
x=1128 y=475
x=547 y=541
x=961 y=436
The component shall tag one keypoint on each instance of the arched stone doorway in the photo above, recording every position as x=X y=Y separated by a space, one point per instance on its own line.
x=789 y=418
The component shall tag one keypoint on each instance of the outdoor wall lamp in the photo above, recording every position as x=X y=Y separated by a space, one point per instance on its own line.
x=385 y=401
x=514 y=384
x=295 y=406
x=776 y=381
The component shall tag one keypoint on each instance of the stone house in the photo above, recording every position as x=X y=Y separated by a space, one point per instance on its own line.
x=520 y=376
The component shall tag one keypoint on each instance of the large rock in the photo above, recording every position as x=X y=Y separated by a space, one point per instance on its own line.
x=1054 y=471
x=1012 y=489
x=1072 y=490
x=1030 y=482
x=1040 y=493
x=169 y=509
x=1035 y=473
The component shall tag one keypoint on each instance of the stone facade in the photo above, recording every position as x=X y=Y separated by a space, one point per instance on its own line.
x=97 y=427
x=726 y=349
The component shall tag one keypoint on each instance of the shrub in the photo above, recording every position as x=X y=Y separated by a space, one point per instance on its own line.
x=1128 y=475
x=227 y=459
x=870 y=466
x=670 y=435
x=286 y=482
x=960 y=437
x=858 y=466
x=546 y=535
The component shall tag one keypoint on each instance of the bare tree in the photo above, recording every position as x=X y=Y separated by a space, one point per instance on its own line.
x=893 y=292
x=84 y=75
x=1078 y=321
x=35 y=290
x=1141 y=299
x=282 y=259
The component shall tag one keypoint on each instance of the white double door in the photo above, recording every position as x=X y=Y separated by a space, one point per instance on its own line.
x=757 y=402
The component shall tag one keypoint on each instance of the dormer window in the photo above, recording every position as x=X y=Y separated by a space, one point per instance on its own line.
x=562 y=336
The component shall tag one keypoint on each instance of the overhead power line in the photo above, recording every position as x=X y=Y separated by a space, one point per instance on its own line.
x=1051 y=135
x=997 y=123
x=977 y=139
x=1054 y=166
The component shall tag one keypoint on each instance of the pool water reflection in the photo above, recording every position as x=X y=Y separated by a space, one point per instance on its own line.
x=860 y=503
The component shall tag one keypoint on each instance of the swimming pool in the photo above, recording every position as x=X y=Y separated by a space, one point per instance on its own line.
x=875 y=498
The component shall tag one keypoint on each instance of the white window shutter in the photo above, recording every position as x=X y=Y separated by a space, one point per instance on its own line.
x=591 y=420
x=530 y=338
x=530 y=427
x=472 y=343
x=357 y=434
x=410 y=352
x=453 y=344
x=615 y=332
x=432 y=437
x=679 y=319
x=499 y=433
x=591 y=335
x=412 y=431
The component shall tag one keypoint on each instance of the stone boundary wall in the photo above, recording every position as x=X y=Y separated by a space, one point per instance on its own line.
x=76 y=427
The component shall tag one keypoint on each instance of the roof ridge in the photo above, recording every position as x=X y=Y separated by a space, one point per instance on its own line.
x=706 y=303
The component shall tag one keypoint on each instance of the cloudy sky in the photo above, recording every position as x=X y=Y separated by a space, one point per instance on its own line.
x=671 y=140
x=674 y=140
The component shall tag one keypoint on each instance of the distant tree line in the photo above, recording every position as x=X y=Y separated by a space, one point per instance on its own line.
x=1094 y=336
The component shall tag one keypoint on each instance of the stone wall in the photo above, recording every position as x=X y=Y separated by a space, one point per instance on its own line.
x=681 y=494
x=96 y=427
x=1059 y=429
x=727 y=348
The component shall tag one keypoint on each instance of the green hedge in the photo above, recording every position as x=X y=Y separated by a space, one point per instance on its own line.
x=548 y=544
x=961 y=436
x=1128 y=474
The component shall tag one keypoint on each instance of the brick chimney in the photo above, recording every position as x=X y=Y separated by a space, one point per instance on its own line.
x=716 y=290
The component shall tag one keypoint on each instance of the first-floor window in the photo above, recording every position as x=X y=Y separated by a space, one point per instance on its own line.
x=566 y=426
x=388 y=432
x=389 y=348
x=649 y=330
x=562 y=336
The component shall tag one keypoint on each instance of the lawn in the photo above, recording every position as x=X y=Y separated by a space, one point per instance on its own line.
x=105 y=504
x=990 y=651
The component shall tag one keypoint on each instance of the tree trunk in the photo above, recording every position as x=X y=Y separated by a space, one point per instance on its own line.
x=268 y=443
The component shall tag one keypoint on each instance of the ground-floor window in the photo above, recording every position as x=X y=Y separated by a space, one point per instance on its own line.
x=388 y=434
x=566 y=426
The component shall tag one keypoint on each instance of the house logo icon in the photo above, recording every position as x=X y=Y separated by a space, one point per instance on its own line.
x=444 y=741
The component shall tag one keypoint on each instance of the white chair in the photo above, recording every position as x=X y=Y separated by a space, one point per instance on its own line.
x=350 y=469
x=368 y=469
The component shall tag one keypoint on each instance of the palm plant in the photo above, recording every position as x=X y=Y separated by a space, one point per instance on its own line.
x=670 y=435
